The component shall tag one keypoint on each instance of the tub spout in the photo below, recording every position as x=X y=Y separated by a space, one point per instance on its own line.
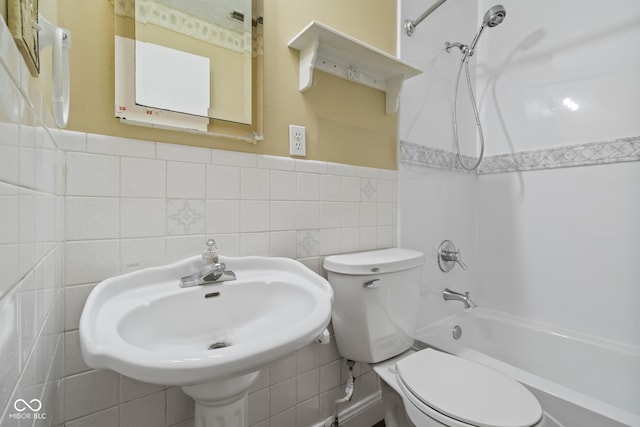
x=449 y=295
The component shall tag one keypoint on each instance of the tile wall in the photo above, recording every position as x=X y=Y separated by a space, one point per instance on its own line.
x=133 y=204
x=31 y=249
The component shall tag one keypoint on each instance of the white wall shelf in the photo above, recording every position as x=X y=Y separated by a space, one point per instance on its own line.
x=336 y=53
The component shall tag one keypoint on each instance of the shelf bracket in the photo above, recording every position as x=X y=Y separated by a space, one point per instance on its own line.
x=308 y=57
x=392 y=97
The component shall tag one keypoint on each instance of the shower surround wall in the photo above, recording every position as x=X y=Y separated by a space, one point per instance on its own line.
x=31 y=247
x=550 y=239
x=133 y=204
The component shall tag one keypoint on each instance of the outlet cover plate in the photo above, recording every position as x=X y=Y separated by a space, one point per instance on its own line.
x=297 y=141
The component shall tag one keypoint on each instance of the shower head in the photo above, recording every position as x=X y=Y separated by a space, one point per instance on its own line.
x=494 y=16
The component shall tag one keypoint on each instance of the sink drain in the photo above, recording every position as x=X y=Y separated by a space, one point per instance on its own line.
x=219 y=344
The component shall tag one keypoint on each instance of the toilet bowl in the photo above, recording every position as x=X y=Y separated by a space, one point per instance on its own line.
x=374 y=319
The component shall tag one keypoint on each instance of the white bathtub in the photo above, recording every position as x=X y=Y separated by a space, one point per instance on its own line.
x=580 y=381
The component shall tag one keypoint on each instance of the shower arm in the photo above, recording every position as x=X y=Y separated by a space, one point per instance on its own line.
x=410 y=25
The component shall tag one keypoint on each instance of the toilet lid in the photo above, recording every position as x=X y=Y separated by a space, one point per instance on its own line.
x=467 y=391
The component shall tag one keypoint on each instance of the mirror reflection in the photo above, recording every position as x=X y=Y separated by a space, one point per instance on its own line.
x=194 y=57
x=186 y=57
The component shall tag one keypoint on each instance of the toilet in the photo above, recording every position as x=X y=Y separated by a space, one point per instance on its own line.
x=374 y=319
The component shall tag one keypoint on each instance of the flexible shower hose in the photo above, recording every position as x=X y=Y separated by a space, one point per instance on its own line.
x=465 y=62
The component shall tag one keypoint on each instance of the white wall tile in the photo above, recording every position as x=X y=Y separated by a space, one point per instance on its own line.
x=254 y=244
x=78 y=402
x=74 y=299
x=130 y=389
x=283 y=396
x=142 y=217
x=10 y=355
x=143 y=178
x=185 y=217
x=350 y=214
x=368 y=189
x=73 y=362
x=330 y=188
x=103 y=144
x=385 y=213
x=91 y=261
x=9 y=163
x=386 y=191
x=283 y=369
x=9 y=218
x=223 y=182
x=234 y=158
x=284 y=215
x=330 y=214
x=107 y=418
x=349 y=239
x=254 y=184
x=69 y=140
x=183 y=153
x=386 y=236
x=307 y=358
x=91 y=218
x=136 y=254
x=308 y=412
x=308 y=215
x=149 y=411
x=181 y=247
x=180 y=407
x=329 y=375
x=368 y=238
x=93 y=175
x=229 y=244
x=254 y=216
x=350 y=189
x=340 y=169
x=258 y=406
x=330 y=241
x=308 y=186
x=276 y=162
x=284 y=185
x=186 y=180
x=223 y=216
x=284 y=419
x=264 y=380
x=283 y=244
x=307 y=384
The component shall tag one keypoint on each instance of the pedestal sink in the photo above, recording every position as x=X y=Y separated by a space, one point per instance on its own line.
x=211 y=340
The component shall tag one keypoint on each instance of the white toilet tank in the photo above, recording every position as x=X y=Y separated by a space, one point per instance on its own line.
x=375 y=310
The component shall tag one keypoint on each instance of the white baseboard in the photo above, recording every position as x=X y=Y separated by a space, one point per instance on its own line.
x=364 y=413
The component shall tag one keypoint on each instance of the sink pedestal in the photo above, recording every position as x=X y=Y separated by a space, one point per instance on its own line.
x=222 y=403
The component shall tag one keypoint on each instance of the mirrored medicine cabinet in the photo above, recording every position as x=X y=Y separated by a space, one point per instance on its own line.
x=191 y=65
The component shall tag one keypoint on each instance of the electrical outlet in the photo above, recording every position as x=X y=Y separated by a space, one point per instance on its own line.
x=297 y=141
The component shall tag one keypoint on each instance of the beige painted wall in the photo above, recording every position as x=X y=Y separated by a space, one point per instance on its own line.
x=345 y=122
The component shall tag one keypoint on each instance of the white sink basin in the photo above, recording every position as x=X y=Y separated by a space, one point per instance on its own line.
x=143 y=325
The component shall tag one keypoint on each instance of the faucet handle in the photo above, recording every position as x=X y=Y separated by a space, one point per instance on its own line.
x=210 y=253
x=448 y=256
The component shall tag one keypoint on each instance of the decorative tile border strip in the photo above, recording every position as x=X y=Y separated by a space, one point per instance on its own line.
x=594 y=153
x=422 y=155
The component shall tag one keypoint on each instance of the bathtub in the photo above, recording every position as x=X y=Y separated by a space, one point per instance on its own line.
x=580 y=381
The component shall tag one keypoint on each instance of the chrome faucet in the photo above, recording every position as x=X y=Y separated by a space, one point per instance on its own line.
x=449 y=295
x=212 y=270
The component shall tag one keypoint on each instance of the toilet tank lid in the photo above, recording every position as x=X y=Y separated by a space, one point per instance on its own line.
x=374 y=262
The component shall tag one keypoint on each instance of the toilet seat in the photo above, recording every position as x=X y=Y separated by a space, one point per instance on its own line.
x=459 y=392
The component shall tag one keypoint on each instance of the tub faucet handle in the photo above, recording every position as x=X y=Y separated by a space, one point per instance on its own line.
x=448 y=256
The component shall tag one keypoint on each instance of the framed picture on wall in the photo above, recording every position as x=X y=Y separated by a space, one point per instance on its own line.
x=22 y=20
